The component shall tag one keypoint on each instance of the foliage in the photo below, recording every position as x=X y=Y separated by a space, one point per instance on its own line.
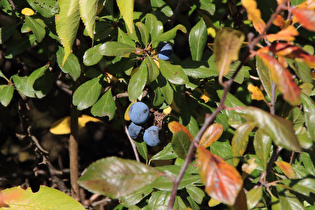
x=233 y=100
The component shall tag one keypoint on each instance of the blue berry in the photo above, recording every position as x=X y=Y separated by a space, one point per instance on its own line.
x=134 y=130
x=151 y=136
x=165 y=52
x=138 y=113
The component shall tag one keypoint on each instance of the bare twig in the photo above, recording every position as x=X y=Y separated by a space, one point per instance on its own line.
x=133 y=145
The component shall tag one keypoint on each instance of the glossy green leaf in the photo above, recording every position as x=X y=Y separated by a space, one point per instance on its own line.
x=264 y=75
x=288 y=200
x=71 y=66
x=173 y=73
x=115 y=49
x=67 y=24
x=161 y=5
x=227 y=44
x=154 y=26
x=47 y=8
x=209 y=6
x=92 y=56
x=223 y=149
x=308 y=163
x=303 y=71
x=88 y=9
x=137 y=82
x=41 y=81
x=136 y=197
x=201 y=72
x=37 y=26
x=168 y=35
x=45 y=198
x=87 y=94
x=126 y=9
x=305 y=186
x=124 y=38
x=166 y=90
x=142 y=149
x=6 y=94
x=105 y=106
x=109 y=176
x=181 y=143
x=23 y=86
x=279 y=129
x=240 y=140
x=309 y=114
x=144 y=32
x=196 y=193
x=253 y=197
x=158 y=97
x=160 y=200
x=262 y=145
x=153 y=70
x=166 y=154
x=241 y=75
x=197 y=40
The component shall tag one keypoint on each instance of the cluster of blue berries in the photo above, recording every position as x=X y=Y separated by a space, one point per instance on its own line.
x=165 y=51
x=139 y=114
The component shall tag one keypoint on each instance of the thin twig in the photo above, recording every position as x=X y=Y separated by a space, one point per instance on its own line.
x=177 y=10
x=133 y=145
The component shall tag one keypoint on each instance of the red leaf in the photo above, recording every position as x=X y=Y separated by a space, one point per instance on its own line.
x=306 y=17
x=222 y=181
x=176 y=126
x=282 y=77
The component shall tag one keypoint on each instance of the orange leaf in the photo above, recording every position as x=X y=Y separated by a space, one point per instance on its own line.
x=286 y=168
x=256 y=92
x=176 y=126
x=211 y=135
x=282 y=77
x=279 y=21
x=306 y=17
x=290 y=51
x=222 y=181
x=287 y=34
x=254 y=14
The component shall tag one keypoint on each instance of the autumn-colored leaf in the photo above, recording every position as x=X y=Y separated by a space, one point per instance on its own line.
x=227 y=44
x=286 y=168
x=126 y=116
x=287 y=34
x=254 y=15
x=282 y=77
x=305 y=17
x=290 y=51
x=256 y=92
x=176 y=126
x=250 y=166
x=222 y=181
x=211 y=135
x=279 y=21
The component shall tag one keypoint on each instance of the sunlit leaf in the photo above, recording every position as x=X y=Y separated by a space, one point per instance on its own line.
x=47 y=8
x=254 y=14
x=256 y=93
x=6 y=94
x=71 y=66
x=279 y=129
x=287 y=34
x=279 y=21
x=115 y=49
x=144 y=32
x=282 y=77
x=27 y=11
x=222 y=181
x=305 y=17
x=137 y=82
x=105 y=106
x=45 y=198
x=254 y=196
x=262 y=146
x=286 y=168
x=173 y=73
x=197 y=40
x=264 y=75
x=109 y=176
x=67 y=24
x=126 y=9
x=212 y=134
x=249 y=166
x=309 y=114
x=37 y=26
x=168 y=35
x=175 y=126
x=166 y=154
x=288 y=200
x=88 y=9
x=126 y=115
x=227 y=44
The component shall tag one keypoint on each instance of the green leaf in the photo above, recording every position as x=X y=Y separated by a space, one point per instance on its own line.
x=173 y=73
x=23 y=86
x=161 y=5
x=166 y=36
x=196 y=193
x=88 y=9
x=37 y=26
x=223 y=149
x=136 y=196
x=41 y=81
x=287 y=200
x=303 y=71
x=227 y=44
x=305 y=186
x=126 y=9
x=87 y=93
x=209 y=6
x=71 y=66
x=105 y=106
x=154 y=26
x=253 y=197
x=67 y=24
x=308 y=163
x=264 y=75
x=309 y=114
x=262 y=145
x=197 y=40
x=109 y=176
x=243 y=72
x=142 y=149
x=144 y=33
x=201 y=72
x=47 y=8
x=279 y=129
x=166 y=154
x=137 y=82
x=115 y=49
x=153 y=70
x=240 y=140
x=6 y=32
x=181 y=143
x=92 y=56
x=124 y=38
x=6 y=94
x=45 y=198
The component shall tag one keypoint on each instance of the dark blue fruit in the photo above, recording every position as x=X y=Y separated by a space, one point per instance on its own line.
x=151 y=136
x=138 y=113
x=165 y=52
x=134 y=130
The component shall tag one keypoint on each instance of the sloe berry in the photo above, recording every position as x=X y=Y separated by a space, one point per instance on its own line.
x=165 y=52
x=151 y=136
x=134 y=130
x=138 y=113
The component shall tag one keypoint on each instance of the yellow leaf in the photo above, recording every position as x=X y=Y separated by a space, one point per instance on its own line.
x=62 y=126
x=27 y=12
x=167 y=110
x=256 y=93
x=213 y=202
x=211 y=31
x=287 y=34
x=286 y=168
x=126 y=9
x=126 y=116
x=254 y=14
